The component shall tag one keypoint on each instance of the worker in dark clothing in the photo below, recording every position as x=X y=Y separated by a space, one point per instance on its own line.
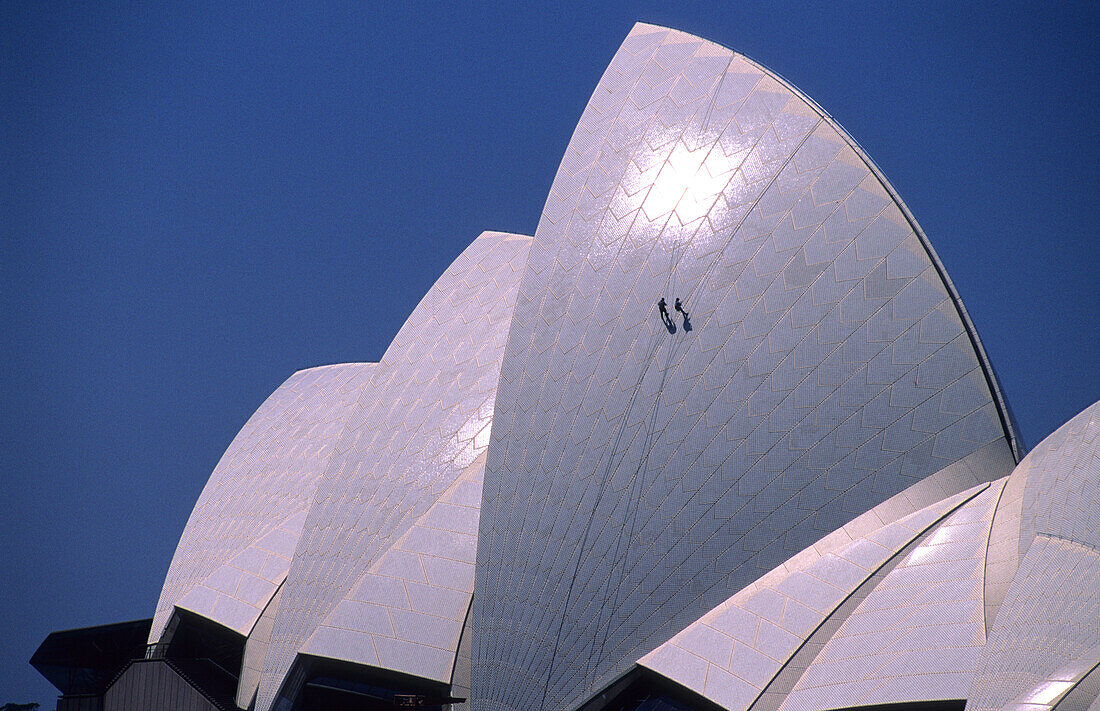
x=665 y=318
x=663 y=308
x=687 y=317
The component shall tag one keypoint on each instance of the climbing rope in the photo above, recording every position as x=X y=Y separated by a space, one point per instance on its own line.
x=648 y=441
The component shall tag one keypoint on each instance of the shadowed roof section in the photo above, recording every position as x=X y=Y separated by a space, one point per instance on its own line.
x=403 y=486
x=83 y=661
x=238 y=542
x=642 y=472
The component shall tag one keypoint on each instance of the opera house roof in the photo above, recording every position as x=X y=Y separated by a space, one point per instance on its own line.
x=720 y=434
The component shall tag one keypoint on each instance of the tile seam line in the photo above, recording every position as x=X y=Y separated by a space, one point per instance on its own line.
x=896 y=557
x=797 y=493
x=987 y=367
x=956 y=300
x=1063 y=539
x=451 y=280
x=674 y=259
x=889 y=302
x=643 y=469
x=587 y=529
x=394 y=547
x=589 y=167
x=987 y=627
x=668 y=218
x=903 y=550
x=466 y=621
x=187 y=587
x=537 y=316
x=1057 y=706
x=634 y=153
x=918 y=534
x=837 y=305
x=734 y=232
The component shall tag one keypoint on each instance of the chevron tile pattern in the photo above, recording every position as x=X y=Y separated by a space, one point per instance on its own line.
x=919 y=634
x=1050 y=614
x=1050 y=618
x=732 y=653
x=1060 y=480
x=237 y=546
x=638 y=475
x=422 y=422
x=798 y=492
x=1062 y=493
x=406 y=613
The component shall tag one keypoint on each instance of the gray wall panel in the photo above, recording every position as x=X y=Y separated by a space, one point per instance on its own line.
x=154 y=686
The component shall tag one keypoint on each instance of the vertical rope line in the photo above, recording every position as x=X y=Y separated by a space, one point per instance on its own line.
x=717 y=91
x=674 y=260
x=591 y=518
x=643 y=469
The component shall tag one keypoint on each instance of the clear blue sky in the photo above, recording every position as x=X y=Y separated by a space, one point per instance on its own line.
x=195 y=203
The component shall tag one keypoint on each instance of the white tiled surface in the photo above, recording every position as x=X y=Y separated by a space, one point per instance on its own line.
x=636 y=477
x=393 y=486
x=1062 y=494
x=919 y=634
x=1050 y=615
x=406 y=612
x=757 y=468
x=1003 y=555
x=1055 y=490
x=255 y=652
x=732 y=653
x=1072 y=687
x=238 y=542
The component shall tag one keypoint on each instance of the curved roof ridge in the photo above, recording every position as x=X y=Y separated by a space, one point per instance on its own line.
x=301 y=416
x=416 y=594
x=1003 y=410
x=424 y=420
x=694 y=171
x=727 y=658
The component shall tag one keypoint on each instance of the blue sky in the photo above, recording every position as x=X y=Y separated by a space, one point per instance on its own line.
x=196 y=202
